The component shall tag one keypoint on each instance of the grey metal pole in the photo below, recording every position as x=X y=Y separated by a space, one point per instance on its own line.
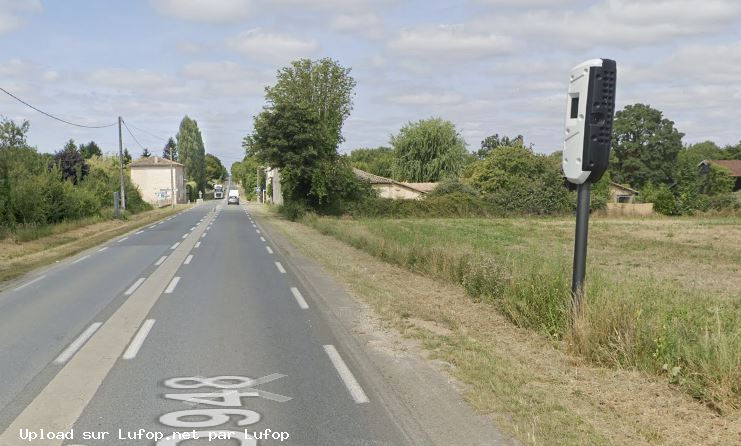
x=257 y=183
x=172 y=179
x=580 y=245
x=121 y=162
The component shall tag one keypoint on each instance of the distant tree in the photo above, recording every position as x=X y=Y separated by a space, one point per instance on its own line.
x=191 y=152
x=645 y=146
x=518 y=180
x=71 y=163
x=428 y=150
x=494 y=141
x=732 y=152
x=170 y=148
x=378 y=161
x=300 y=129
x=214 y=169
x=90 y=149
x=145 y=153
x=126 y=157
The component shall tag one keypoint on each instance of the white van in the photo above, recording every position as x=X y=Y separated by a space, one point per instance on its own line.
x=233 y=197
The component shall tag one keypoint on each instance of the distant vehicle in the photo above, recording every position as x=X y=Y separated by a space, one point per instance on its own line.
x=218 y=191
x=233 y=197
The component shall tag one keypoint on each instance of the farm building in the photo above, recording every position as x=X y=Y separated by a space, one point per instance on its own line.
x=397 y=190
x=622 y=194
x=733 y=165
x=154 y=176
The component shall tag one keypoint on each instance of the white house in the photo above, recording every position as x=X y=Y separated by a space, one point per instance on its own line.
x=155 y=177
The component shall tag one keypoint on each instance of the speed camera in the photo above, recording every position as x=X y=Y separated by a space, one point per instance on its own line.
x=590 y=107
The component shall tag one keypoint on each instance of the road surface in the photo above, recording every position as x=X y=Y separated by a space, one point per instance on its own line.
x=190 y=327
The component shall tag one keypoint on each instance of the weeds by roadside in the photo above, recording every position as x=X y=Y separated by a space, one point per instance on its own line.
x=650 y=322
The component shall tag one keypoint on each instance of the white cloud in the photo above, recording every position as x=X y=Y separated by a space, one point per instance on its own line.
x=427 y=98
x=271 y=47
x=208 y=11
x=10 y=19
x=130 y=79
x=444 y=43
x=367 y=24
x=188 y=48
x=618 y=22
x=334 y=5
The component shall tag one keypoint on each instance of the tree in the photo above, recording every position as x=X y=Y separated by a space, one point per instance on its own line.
x=645 y=146
x=214 y=169
x=170 y=148
x=90 y=149
x=126 y=157
x=300 y=127
x=494 y=141
x=378 y=161
x=518 y=180
x=192 y=153
x=428 y=150
x=71 y=163
x=145 y=153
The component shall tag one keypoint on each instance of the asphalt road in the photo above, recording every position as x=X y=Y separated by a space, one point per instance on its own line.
x=195 y=324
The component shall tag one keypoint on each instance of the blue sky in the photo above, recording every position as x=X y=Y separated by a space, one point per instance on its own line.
x=490 y=66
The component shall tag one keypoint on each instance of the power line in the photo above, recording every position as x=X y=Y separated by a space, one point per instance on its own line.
x=132 y=135
x=52 y=116
x=148 y=133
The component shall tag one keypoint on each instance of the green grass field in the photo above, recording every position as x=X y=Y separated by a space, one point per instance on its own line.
x=662 y=295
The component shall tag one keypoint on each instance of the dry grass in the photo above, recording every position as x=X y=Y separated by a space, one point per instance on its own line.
x=66 y=239
x=526 y=382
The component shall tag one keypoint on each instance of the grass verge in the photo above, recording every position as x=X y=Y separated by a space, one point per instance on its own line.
x=530 y=385
x=38 y=247
x=643 y=309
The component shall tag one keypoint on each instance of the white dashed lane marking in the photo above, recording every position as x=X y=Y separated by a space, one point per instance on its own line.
x=134 y=286
x=159 y=262
x=77 y=344
x=299 y=298
x=138 y=340
x=270 y=250
x=356 y=392
x=188 y=259
x=280 y=267
x=173 y=283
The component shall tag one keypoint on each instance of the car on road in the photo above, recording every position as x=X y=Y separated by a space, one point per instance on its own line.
x=233 y=197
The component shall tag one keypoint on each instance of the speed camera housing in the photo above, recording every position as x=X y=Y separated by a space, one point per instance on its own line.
x=590 y=107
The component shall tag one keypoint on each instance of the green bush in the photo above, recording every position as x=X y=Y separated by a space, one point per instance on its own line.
x=449 y=205
x=725 y=202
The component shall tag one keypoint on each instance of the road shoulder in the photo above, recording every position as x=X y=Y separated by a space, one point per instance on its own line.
x=425 y=401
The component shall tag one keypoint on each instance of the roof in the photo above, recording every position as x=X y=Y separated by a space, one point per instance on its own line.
x=733 y=165
x=620 y=186
x=153 y=161
x=377 y=179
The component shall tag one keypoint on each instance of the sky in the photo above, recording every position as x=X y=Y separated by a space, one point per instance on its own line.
x=489 y=66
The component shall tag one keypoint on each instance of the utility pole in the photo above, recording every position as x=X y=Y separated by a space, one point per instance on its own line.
x=121 y=161
x=257 y=184
x=172 y=177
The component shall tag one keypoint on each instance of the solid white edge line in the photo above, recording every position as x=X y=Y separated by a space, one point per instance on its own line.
x=188 y=259
x=77 y=344
x=123 y=239
x=175 y=245
x=30 y=282
x=280 y=268
x=159 y=262
x=270 y=250
x=134 y=286
x=356 y=392
x=299 y=298
x=173 y=283
x=80 y=259
x=103 y=249
x=140 y=232
x=197 y=245
x=138 y=340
